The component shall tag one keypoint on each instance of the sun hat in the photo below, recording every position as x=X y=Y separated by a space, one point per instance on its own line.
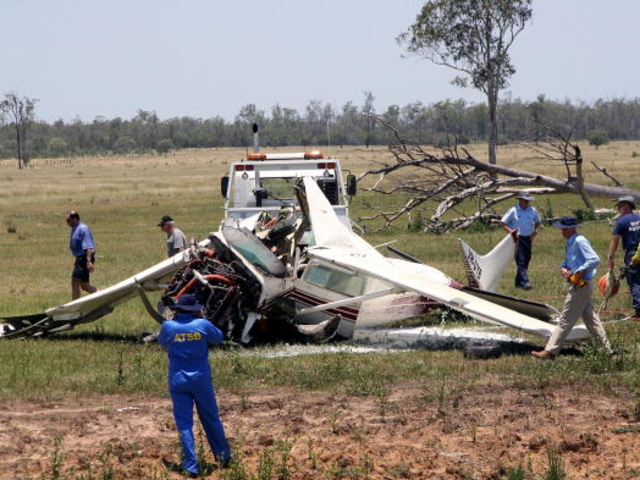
x=626 y=199
x=567 y=222
x=525 y=196
x=187 y=303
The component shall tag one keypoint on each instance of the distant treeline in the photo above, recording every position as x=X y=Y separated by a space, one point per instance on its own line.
x=321 y=123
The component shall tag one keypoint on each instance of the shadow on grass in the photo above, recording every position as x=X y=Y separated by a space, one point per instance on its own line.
x=514 y=348
x=96 y=337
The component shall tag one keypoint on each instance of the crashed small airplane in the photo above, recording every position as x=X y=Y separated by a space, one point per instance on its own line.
x=286 y=265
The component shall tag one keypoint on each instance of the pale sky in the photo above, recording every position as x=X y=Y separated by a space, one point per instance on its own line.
x=203 y=58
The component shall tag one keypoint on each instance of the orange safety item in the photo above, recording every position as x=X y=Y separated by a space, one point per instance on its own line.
x=577 y=279
x=257 y=156
x=604 y=287
x=313 y=155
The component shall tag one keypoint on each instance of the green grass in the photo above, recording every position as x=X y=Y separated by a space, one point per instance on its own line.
x=122 y=200
x=78 y=364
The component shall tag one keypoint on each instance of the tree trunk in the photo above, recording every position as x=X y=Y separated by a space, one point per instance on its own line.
x=25 y=150
x=560 y=186
x=19 y=145
x=492 y=99
x=580 y=180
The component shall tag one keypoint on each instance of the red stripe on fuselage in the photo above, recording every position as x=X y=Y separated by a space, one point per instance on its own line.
x=346 y=313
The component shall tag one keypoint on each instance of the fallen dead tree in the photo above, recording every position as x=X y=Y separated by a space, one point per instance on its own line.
x=458 y=189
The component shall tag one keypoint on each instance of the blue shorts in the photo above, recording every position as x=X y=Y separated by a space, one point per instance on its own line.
x=80 y=270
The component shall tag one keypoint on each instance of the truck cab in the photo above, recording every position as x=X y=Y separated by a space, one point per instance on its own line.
x=266 y=183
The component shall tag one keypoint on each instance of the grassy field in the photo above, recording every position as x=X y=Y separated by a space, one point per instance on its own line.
x=122 y=200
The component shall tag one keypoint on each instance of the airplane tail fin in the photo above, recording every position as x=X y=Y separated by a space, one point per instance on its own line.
x=485 y=271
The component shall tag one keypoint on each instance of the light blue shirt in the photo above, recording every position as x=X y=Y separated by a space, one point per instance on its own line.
x=524 y=219
x=81 y=240
x=580 y=256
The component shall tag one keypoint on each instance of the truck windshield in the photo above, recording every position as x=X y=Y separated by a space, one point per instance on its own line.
x=279 y=188
x=272 y=188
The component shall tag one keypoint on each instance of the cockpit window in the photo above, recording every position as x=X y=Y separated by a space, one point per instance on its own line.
x=251 y=248
x=335 y=280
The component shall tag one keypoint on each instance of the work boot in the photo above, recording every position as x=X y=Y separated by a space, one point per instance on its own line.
x=544 y=355
x=174 y=467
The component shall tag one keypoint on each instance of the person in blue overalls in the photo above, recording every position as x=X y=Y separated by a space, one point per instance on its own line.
x=187 y=338
x=627 y=229
x=522 y=221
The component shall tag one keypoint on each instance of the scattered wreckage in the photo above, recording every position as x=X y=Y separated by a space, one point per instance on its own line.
x=286 y=266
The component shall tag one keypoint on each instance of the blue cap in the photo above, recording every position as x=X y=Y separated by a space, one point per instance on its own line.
x=165 y=219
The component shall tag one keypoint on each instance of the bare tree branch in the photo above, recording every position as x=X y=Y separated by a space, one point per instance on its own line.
x=603 y=170
x=459 y=189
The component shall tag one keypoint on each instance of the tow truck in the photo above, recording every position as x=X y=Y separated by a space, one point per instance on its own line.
x=264 y=183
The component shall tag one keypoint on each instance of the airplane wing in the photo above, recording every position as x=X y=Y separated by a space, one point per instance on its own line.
x=473 y=306
x=336 y=244
x=96 y=305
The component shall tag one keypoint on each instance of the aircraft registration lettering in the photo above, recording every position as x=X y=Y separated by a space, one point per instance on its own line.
x=474 y=265
x=187 y=337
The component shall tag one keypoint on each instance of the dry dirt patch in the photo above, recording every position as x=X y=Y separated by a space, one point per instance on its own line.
x=411 y=433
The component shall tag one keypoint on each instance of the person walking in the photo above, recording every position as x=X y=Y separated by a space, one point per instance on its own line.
x=627 y=229
x=176 y=240
x=187 y=338
x=579 y=269
x=83 y=249
x=522 y=221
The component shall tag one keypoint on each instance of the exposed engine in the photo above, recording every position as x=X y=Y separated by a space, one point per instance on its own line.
x=230 y=292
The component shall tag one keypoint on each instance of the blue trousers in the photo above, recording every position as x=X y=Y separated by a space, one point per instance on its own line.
x=523 y=257
x=187 y=388
x=633 y=279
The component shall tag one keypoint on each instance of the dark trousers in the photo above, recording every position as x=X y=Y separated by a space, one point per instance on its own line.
x=633 y=279
x=523 y=257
